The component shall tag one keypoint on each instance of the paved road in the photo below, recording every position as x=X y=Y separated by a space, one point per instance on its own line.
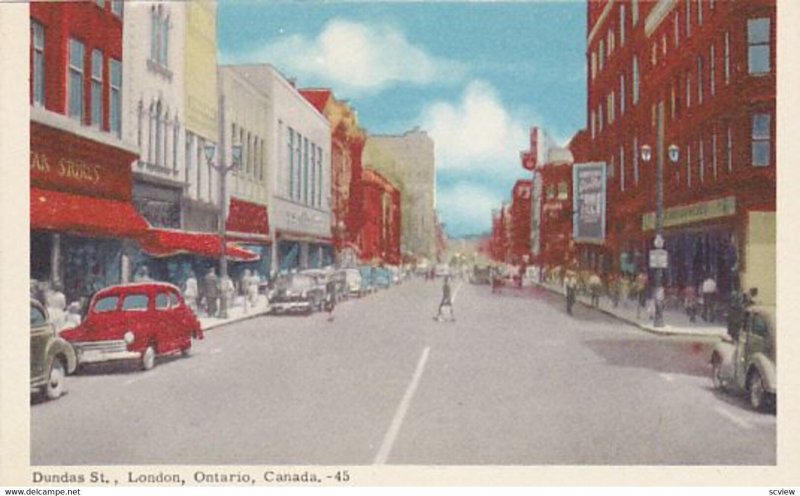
x=514 y=381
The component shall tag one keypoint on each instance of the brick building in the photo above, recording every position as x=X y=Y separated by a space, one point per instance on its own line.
x=520 y=222
x=382 y=219
x=709 y=68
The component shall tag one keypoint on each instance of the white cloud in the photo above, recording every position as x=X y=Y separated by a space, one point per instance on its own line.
x=466 y=208
x=476 y=134
x=355 y=57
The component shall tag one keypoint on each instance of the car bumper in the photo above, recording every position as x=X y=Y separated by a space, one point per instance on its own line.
x=103 y=351
x=290 y=306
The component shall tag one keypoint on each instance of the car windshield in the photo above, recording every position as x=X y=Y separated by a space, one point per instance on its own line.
x=106 y=304
x=134 y=302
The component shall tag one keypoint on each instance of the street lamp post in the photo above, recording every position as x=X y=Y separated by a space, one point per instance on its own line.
x=223 y=169
x=658 y=243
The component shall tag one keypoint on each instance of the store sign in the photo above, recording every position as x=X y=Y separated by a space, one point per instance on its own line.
x=589 y=202
x=62 y=161
x=689 y=214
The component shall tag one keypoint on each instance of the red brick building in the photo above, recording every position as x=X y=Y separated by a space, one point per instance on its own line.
x=520 y=222
x=709 y=66
x=82 y=218
x=555 y=224
x=347 y=143
x=382 y=221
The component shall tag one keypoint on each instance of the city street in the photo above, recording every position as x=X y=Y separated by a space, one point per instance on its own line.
x=514 y=381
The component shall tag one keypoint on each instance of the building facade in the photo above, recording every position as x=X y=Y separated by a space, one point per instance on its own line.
x=407 y=161
x=702 y=72
x=381 y=226
x=82 y=214
x=520 y=239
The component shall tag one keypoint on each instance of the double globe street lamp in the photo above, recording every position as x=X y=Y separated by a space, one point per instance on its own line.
x=223 y=169
x=658 y=255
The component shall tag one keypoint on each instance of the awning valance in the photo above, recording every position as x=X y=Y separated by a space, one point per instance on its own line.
x=168 y=242
x=247 y=217
x=87 y=215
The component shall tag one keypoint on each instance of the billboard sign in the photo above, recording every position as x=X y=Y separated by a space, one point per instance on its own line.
x=589 y=202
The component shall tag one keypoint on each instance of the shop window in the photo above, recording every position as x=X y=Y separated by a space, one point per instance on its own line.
x=38 y=62
x=75 y=83
x=758 y=46
x=761 y=140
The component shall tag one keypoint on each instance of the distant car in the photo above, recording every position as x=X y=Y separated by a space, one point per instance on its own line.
x=748 y=363
x=367 y=279
x=52 y=357
x=442 y=270
x=296 y=293
x=481 y=275
x=382 y=277
x=422 y=268
x=137 y=321
x=354 y=281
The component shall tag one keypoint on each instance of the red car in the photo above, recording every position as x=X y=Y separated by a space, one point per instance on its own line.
x=135 y=322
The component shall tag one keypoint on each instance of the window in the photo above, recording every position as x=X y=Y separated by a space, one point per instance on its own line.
x=654 y=54
x=600 y=117
x=688 y=89
x=635 y=11
x=116 y=7
x=305 y=171
x=622 y=168
x=727 y=58
x=173 y=300
x=702 y=162
x=688 y=16
x=159 y=35
x=298 y=169
x=290 y=144
x=700 y=12
x=621 y=94
x=313 y=174
x=761 y=139
x=76 y=98
x=101 y=3
x=37 y=316
x=611 y=42
x=688 y=166
x=551 y=192
x=319 y=171
x=116 y=96
x=712 y=70
x=635 y=160
x=592 y=123
x=563 y=190
x=635 y=80
x=610 y=107
x=677 y=29
x=162 y=301
x=729 y=149
x=714 y=153
x=700 y=64
x=758 y=327
x=106 y=304
x=673 y=102
x=97 y=88
x=758 y=46
x=602 y=55
x=621 y=24
x=611 y=167
x=594 y=65
x=136 y=302
x=38 y=76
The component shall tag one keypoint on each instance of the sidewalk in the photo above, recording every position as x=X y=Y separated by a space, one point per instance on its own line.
x=236 y=313
x=676 y=322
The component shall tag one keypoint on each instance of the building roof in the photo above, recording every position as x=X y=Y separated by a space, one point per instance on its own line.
x=318 y=97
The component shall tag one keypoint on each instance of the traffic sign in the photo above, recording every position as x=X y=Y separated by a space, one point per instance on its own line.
x=658 y=259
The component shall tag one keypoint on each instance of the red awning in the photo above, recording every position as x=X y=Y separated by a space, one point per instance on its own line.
x=59 y=211
x=246 y=217
x=166 y=242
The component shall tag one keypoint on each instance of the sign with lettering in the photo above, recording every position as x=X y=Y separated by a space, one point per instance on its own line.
x=696 y=212
x=589 y=202
x=63 y=161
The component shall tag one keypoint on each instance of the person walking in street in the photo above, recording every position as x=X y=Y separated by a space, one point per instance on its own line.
x=211 y=291
x=690 y=302
x=447 y=300
x=190 y=292
x=331 y=303
x=595 y=287
x=571 y=285
x=640 y=288
x=709 y=290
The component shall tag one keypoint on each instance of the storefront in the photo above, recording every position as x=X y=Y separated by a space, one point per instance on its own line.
x=302 y=237
x=247 y=224
x=81 y=212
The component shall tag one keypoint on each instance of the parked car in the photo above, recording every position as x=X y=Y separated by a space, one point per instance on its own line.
x=296 y=293
x=747 y=363
x=481 y=274
x=52 y=357
x=381 y=277
x=442 y=270
x=322 y=279
x=137 y=321
x=354 y=281
x=368 y=279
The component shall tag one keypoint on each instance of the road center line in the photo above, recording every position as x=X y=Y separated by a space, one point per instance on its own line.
x=397 y=421
x=733 y=418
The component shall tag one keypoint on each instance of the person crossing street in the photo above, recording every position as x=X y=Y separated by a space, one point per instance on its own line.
x=447 y=301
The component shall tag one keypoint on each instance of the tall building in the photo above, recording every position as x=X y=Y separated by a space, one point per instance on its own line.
x=520 y=240
x=407 y=161
x=82 y=215
x=707 y=67
x=381 y=221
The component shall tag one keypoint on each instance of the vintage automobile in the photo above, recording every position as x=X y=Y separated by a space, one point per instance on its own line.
x=368 y=278
x=52 y=357
x=137 y=321
x=381 y=277
x=747 y=363
x=354 y=282
x=481 y=274
x=296 y=293
x=442 y=270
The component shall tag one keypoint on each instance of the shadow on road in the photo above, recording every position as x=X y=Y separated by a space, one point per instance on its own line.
x=664 y=354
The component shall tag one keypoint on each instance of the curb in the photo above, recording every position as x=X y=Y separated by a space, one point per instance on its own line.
x=645 y=327
x=236 y=320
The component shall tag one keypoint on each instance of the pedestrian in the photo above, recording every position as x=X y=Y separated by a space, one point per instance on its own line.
x=709 y=290
x=571 y=285
x=331 y=303
x=228 y=290
x=595 y=287
x=736 y=311
x=211 y=292
x=690 y=302
x=190 y=292
x=614 y=283
x=252 y=289
x=142 y=274
x=447 y=300
x=640 y=288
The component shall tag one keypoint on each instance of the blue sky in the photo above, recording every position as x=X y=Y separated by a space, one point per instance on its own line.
x=475 y=75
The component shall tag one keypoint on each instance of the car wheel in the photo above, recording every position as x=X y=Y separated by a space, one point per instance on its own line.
x=55 y=382
x=716 y=373
x=148 y=357
x=755 y=385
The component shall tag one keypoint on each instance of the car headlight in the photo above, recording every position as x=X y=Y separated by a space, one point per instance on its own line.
x=128 y=337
